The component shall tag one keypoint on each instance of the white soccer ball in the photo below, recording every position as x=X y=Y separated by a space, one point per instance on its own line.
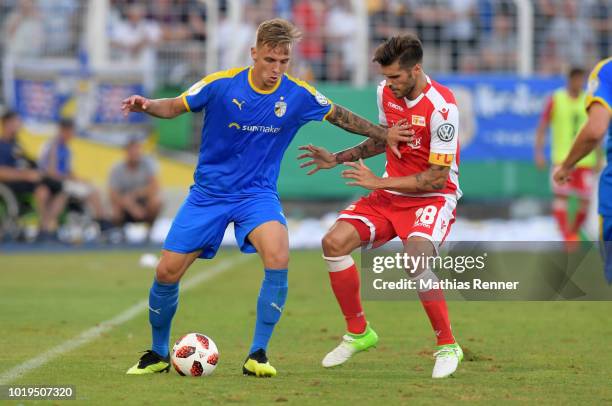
x=195 y=354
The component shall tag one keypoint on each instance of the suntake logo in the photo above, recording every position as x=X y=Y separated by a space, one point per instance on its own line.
x=255 y=128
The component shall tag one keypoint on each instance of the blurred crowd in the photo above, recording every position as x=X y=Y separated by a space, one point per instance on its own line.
x=459 y=35
x=47 y=186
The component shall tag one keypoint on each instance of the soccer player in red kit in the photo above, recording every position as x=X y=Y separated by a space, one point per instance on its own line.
x=415 y=199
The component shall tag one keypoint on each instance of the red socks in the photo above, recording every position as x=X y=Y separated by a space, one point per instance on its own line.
x=344 y=279
x=435 y=306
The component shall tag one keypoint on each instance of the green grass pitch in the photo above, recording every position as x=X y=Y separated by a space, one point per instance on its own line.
x=551 y=353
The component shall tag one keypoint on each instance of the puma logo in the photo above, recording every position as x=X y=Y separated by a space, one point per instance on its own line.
x=237 y=103
x=158 y=311
x=277 y=307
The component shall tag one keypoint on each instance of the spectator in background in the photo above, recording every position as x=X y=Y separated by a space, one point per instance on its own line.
x=387 y=18
x=134 y=38
x=133 y=42
x=309 y=16
x=450 y=23
x=602 y=24
x=430 y=16
x=242 y=38
x=179 y=19
x=459 y=31
x=340 y=40
x=498 y=51
x=188 y=69
x=56 y=163
x=570 y=41
x=61 y=26
x=20 y=175
x=24 y=31
x=134 y=188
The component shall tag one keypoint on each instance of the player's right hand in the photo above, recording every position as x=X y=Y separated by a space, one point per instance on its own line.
x=134 y=103
x=400 y=132
x=319 y=156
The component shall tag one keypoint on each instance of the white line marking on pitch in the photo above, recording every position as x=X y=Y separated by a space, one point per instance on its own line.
x=95 y=332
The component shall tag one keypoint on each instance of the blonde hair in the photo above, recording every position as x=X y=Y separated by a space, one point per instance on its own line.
x=277 y=32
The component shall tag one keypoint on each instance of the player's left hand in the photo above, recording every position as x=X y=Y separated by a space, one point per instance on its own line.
x=561 y=175
x=362 y=175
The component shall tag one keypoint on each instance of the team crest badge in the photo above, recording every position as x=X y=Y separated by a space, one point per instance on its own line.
x=322 y=100
x=419 y=121
x=280 y=108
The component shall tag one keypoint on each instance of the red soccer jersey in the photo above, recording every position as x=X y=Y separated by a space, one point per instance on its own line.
x=435 y=120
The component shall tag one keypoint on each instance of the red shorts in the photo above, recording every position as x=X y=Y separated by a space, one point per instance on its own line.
x=382 y=216
x=580 y=184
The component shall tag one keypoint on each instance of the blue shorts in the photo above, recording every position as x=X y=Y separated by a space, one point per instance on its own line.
x=202 y=219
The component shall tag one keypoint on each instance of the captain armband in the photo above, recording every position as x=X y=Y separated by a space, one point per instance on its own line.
x=441 y=159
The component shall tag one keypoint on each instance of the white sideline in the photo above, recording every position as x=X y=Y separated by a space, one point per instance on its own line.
x=95 y=332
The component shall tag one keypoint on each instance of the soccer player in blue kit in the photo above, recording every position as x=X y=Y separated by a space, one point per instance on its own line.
x=599 y=110
x=251 y=116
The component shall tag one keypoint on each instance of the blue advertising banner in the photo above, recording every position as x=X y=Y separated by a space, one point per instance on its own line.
x=42 y=93
x=38 y=99
x=499 y=114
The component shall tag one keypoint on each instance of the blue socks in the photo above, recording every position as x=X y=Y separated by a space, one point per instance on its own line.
x=163 y=301
x=270 y=304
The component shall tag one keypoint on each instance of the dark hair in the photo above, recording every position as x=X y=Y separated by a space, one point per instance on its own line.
x=8 y=115
x=576 y=71
x=407 y=49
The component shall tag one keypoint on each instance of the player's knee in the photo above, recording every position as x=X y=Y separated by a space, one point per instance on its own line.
x=276 y=259
x=334 y=245
x=167 y=274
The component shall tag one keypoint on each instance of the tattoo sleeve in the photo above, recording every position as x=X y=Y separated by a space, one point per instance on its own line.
x=351 y=122
x=369 y=148
x=431 y=180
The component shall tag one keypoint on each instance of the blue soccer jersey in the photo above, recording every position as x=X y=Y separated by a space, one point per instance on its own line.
x=600 y=91
x=245 y=135
x=247 y=130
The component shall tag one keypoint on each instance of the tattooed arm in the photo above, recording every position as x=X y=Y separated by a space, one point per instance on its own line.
x=353 y=123
x=430 y=180
x=366 y=149
x=323 y=159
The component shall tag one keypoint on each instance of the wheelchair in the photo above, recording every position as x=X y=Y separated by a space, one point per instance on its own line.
x=10 y=229
x=76 y=222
